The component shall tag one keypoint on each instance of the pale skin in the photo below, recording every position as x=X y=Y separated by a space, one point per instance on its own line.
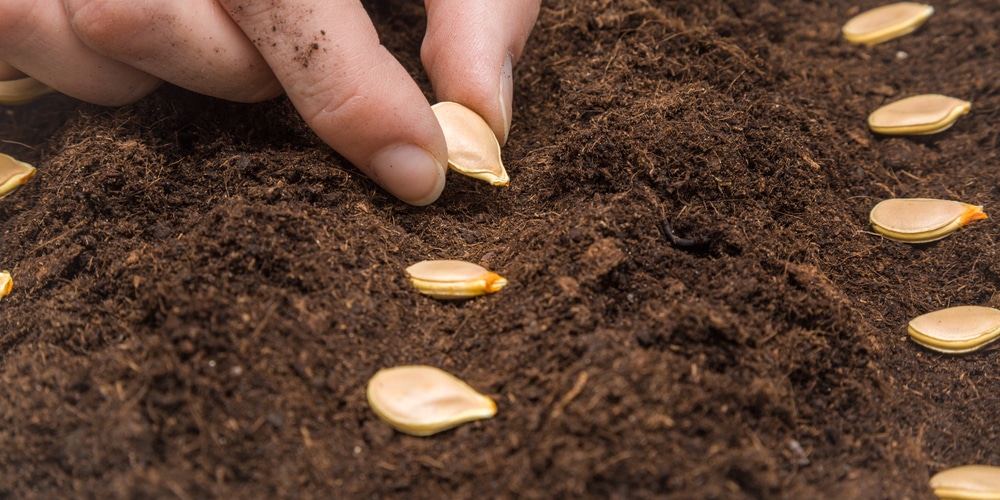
x=324 y=54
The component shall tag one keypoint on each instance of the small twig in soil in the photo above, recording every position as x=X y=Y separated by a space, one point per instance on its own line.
x=683 y=243
x=581 y=381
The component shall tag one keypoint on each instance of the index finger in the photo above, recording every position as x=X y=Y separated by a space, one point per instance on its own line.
x=350 y=90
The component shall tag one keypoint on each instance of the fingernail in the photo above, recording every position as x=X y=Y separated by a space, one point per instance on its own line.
x=410 y=173
x=506 y=95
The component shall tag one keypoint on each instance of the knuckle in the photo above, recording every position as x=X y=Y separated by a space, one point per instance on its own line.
x=13 y=29
x=105 y=25
x=340 y=104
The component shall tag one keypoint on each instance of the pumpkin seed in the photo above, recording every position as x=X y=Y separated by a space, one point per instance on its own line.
x=967 y=482
x=22 y=90
x=922 y=220
x=473 y=149
x=453 y=279
x=956 y=330
x=13 y=175
x=6 y=284
x=918 y=115
x=887 y=22
x=423 y=400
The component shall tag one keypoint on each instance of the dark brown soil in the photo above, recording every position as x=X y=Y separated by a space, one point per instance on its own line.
x=203 y=289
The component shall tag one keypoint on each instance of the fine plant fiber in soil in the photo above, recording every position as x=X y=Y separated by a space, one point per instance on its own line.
x=203 y=288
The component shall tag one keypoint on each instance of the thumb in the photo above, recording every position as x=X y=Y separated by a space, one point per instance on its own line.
x=469 y=52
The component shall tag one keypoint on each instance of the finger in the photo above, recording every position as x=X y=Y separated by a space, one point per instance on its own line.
x=192 y=44
x=8 y=72
x=36 y=37
x=350 y=90
x=469 y=52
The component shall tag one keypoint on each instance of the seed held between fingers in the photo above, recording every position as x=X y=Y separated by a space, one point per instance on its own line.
x=967 y=482
x=13 y=175
x=6 y=284
x=885 y=23
x=918 y=115
x=473 y=149
x=922 y=220
x=424 y=400
x=453 y=279
x=956 y=330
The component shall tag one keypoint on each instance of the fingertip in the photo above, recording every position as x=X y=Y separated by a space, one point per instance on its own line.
x=38 y=39
x=193 y=44
x=410 y=173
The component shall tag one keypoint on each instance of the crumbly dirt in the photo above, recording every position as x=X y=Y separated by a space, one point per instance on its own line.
x=203 y=288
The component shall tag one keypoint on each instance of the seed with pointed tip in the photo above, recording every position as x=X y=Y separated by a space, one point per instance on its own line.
x=918 y=115
x=887 y=22
x=13 y=174
x=956 y=330
x=473 y=149
x=22 y=90
x=6 y=284
x=967 y=482
x=423 y=400
x=453 y=279
x=922 y=220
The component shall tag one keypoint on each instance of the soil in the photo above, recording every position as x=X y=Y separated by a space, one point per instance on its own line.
x=203 y=289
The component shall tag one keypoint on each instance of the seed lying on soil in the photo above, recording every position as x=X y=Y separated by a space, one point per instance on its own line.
x=22 y=90
x=967 y=482
x=956 y=330
x=887 y=22
x=473 y=150
x=453 y=279
x=918 y=115
x=6 y=284
x=922 y=220
x=13 y=175
x=423 y=400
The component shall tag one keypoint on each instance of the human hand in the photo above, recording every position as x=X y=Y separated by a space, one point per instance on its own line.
x=325 y=55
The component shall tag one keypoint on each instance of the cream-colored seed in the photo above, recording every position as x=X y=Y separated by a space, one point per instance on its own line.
x=956 y=330
x=887 y=22
x=453 y=279
x=967 y=482
x=22 y=90
x=423 y=400
x=473 y=149
x=6 y=284
x=13 y=174
x=922 y=220
x=918 y=115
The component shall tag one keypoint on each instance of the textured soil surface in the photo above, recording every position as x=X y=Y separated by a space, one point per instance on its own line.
x=203 y=289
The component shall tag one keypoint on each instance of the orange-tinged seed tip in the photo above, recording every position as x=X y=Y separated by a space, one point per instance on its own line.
x=972 y=212
x=494 y=282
